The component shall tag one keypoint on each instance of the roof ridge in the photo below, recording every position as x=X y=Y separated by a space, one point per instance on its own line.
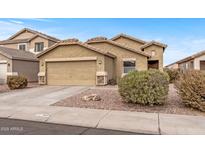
x=127 y=36
x=76 y=43
x=189 y=57
x=35 y=32
x=122 y=46
x=153 y=42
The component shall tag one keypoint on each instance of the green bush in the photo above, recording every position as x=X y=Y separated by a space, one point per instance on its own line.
x=173 y=74
x=17 y=82
x=191 y=88
x=144 y=87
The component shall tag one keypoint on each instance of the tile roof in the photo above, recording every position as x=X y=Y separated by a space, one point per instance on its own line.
x=14 y=41
x=129 y=37
x=153 y=42
x=190 y=57
x=76 y=42
x=119 y=45
x=17 y=54
x=35 y=32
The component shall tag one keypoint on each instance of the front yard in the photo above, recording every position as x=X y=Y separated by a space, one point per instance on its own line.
x=111 y=100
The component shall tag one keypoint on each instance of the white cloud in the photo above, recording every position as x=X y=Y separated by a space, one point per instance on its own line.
x=8 y=28
x=16 y=22
x=40 y=19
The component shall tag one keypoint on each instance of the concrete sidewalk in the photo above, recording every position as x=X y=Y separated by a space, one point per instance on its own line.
x=139 y=122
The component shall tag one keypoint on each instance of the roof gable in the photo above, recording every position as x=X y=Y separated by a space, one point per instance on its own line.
x=153 y=43
x=35 y=33
x=128 y=37
x=65 y=43
x=120 y=46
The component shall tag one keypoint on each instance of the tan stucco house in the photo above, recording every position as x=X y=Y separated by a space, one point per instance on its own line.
x=17 y=54
x=29 y=40
x=96 y=61
x=195 y=61
x=15 y=62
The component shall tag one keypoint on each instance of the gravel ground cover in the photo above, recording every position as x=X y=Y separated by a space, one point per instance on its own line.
x=111 y=100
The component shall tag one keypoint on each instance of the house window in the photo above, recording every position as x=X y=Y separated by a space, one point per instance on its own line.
x=186 y=66
x=22 y=47
x=153 y=53
x=128 y=66
x=39 y=46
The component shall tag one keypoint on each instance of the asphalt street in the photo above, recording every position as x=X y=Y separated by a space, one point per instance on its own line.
x=22 y=127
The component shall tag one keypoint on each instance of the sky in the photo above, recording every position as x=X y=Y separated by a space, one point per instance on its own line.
x=184 y=37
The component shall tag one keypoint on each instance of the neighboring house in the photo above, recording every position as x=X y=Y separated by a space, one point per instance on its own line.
x=98 y=60
x=172 y=66
x=196 y=62
x=29 y=40
x=15 y=62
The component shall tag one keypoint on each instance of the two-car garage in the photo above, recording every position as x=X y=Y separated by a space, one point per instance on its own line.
x=74 y=63
x=71 y=73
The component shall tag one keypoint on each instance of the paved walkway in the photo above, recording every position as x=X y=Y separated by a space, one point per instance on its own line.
x=138 y=122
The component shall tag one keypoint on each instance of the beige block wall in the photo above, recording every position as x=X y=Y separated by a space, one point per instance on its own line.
x=9 y=62
x=23 y=35
x=29 y=69
x=13 y=46
x=72 y=51
x=173 y=66
x=36 y=40
x=159 y=51
x=121 y=53
x=128 y=42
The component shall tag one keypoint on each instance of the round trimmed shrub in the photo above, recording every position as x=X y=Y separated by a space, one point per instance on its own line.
x=145 y=87
x=17 y=82
x=191 y=88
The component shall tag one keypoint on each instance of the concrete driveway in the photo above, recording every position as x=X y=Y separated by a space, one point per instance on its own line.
x=44 y=95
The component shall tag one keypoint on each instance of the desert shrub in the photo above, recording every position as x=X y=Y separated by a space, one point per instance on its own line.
x=144 y=87
x=112 y=82
x=173 y=74
x=191 y=88
x=17 y=82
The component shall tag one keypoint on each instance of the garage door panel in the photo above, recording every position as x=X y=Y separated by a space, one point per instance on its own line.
x=71 y=73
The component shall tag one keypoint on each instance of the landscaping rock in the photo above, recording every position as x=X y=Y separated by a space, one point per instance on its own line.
x=91 y=97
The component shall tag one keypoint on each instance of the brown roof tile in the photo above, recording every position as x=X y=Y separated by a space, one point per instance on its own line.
x=17 y=54
x=35 y=32
x=14 y=41
x=129 y=37
x=121 y=46
x=190 y=57
x=64 y=43
x=155 y=43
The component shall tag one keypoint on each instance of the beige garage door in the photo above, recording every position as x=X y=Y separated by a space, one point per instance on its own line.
x=71 y=73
